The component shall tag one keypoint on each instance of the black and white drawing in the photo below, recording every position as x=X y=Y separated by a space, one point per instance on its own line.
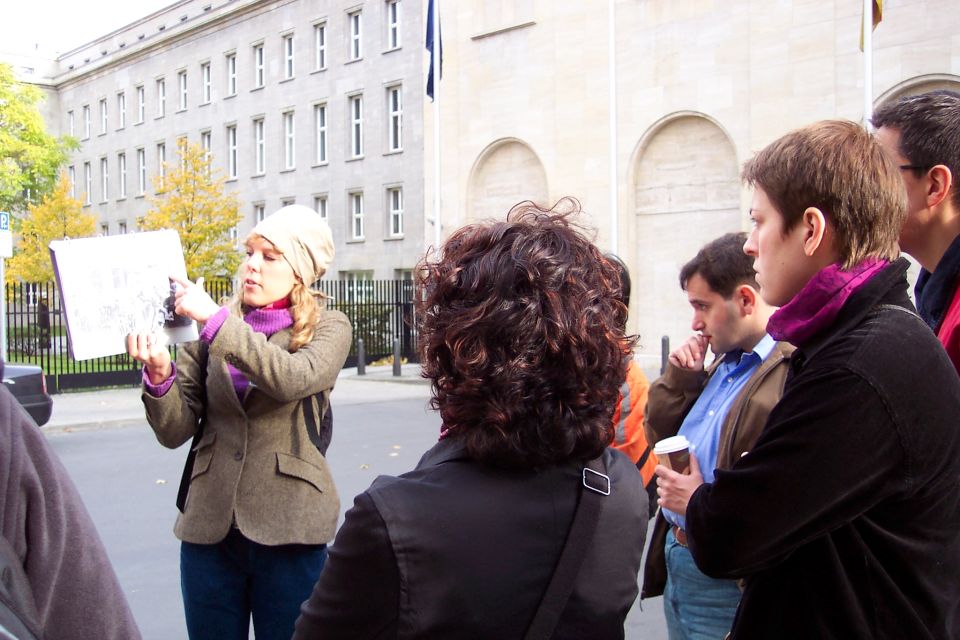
x=116 y=285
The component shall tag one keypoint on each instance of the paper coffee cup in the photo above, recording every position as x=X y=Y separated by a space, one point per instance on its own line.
x=674 y=453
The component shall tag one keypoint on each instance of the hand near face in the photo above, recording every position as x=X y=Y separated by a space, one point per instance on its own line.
x=691 y=354
x=150 y=349
x=192 y=301
x=675 y=488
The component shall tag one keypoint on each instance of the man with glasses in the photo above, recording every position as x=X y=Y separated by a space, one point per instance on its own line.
x=922 y=135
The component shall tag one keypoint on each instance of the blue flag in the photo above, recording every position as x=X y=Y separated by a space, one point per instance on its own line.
x=429 y=45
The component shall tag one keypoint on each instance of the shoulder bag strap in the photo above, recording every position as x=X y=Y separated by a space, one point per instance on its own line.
x=596 y=486
x=320 y=435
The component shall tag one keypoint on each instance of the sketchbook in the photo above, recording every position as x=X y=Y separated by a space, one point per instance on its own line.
x=111 y=286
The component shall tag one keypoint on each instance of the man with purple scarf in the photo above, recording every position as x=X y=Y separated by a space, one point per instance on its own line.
x=844 y=518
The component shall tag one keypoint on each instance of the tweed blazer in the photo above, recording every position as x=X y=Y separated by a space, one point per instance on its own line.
x=255 y=466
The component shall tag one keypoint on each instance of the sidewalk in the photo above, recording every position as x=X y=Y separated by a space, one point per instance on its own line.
x=122 y=407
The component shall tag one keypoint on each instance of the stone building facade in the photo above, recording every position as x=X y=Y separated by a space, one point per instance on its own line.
x=696 y=87
x=699 y=86
x=308 y=102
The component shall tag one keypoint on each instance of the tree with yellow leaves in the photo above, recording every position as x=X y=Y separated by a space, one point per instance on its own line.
x=55 y=217
x=191 y=199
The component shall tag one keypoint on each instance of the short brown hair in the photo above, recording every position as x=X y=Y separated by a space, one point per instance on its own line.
x=839 y=168
x=723 y=265
x=521 y=332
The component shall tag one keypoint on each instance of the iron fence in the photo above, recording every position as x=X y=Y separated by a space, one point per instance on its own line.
x=380 y=312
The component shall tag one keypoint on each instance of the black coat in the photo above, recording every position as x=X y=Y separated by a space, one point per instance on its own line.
x=845 y=516
x=455 y=549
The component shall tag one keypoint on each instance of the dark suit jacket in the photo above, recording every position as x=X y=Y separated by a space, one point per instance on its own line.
x=456 y=549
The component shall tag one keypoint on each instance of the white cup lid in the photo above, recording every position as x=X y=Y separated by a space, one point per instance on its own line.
x=669 y=445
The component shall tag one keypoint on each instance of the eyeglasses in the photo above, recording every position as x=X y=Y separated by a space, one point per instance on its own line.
x=913 y=167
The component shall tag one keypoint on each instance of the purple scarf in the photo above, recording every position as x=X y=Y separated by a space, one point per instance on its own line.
x=816 y=306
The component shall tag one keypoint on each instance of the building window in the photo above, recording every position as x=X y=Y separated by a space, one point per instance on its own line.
x=122 y=227
x=141 y=104
x=104 y=180
x=103 y=116
x=286 y=202
x=232 y=151
x=320 y=206
x=259 y=212
x=289 y=141
x=122 y=174
x=231 y=74
x=359 y=285
x=356 y=215
x=356 y=126
x=288 y=68
x=161 y=162
x=205 y=82
x=320 y=46
x=320 y=137
x=395 y=111
x=72 y=172
x=70 y=124
x=87 y=183
x=104 y=228
x=206 y=143
x=356 y=35
x=121 y=110
x=182 y=152
x=161 y=97
x=393 y=24
x=259 y=148
x=395 y=204
x=141 y=171
x=182 y=83
x=258 y=77
x=86 y=121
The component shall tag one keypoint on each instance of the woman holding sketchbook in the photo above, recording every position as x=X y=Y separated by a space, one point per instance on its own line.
x=251 y=393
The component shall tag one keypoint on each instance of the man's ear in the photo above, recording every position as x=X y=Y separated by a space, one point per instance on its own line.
x=746 y=298
x=938 y=188
x=814 y=225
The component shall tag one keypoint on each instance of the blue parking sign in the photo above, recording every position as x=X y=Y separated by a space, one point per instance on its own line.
x=4 y=221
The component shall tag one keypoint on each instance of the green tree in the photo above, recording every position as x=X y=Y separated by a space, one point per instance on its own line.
x=191 y=199
x=29 y=156
x=55 y=217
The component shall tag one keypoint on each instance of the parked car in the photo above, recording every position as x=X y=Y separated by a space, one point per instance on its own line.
x=28 y=385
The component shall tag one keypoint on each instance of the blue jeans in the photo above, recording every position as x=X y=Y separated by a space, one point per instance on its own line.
x=224 y=584
x=696 y=606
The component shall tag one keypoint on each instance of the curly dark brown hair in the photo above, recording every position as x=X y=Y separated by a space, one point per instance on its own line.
x=521 y=333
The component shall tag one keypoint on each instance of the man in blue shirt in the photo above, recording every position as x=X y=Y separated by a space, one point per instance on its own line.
x=721 y=410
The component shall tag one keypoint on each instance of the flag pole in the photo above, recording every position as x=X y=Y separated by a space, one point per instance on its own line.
x=435 y=61
x=612 y=117
x=867 y=28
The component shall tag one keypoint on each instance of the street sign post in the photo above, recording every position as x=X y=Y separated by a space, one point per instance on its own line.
x=6 y=251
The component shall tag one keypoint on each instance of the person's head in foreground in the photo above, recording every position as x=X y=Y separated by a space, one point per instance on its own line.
x=522 y=336
x=824 y=196
x=287 y=252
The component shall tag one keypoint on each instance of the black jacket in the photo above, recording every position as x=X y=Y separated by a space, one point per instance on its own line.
x=845 y=516
x=455 y=549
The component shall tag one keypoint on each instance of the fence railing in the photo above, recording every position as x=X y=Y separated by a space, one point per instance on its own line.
x=380 y=311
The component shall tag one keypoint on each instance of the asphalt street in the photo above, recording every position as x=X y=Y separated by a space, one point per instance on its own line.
x=129 y=482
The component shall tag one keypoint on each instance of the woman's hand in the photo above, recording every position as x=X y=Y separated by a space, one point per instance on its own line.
x=192 y=301
x=150 y=349
x=675 y=488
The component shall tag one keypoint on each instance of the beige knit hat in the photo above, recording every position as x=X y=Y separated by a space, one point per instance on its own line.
x=303 y=237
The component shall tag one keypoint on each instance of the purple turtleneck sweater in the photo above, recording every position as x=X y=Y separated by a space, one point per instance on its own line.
x=267 y=320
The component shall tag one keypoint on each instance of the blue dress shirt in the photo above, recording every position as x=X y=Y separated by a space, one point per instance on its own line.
x=705 y=419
